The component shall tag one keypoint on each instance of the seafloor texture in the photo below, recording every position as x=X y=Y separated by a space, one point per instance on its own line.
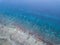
x=21 y=25
x=16 y=36
x=34 y=31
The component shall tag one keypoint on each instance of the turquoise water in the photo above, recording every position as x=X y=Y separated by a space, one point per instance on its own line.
x=45 y=25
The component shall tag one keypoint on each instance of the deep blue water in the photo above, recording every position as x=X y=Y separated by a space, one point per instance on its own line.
x=45 y=23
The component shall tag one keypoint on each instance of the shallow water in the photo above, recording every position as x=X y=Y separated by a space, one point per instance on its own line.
x=40 y=22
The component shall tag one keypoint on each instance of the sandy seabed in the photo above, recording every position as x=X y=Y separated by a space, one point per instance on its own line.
x=10 y=35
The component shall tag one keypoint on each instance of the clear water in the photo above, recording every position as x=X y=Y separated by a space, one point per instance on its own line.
x=46 y=25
